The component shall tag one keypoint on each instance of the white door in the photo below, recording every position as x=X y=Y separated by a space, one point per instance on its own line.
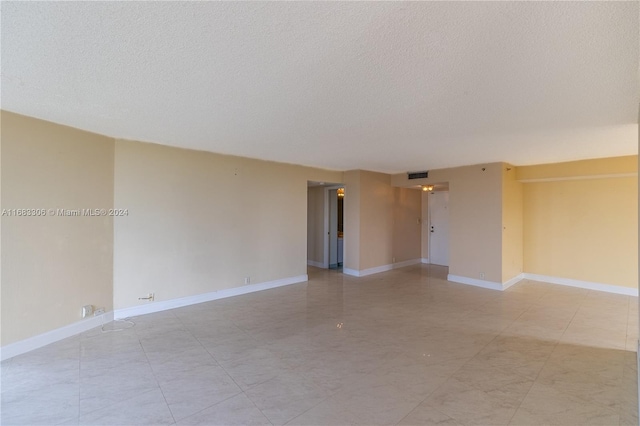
x=439 y=228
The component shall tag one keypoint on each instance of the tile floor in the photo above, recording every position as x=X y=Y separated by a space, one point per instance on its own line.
x=402 y=347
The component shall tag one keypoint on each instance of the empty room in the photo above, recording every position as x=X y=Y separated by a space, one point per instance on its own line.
x=319 y=213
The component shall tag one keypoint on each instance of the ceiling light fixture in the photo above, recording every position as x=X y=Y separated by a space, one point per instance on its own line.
x=427 y=188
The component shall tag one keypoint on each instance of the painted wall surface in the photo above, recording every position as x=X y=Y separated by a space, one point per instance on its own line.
x=352 y=210
x=578 y=219
x=381 y=222
x=583 y=229
x=202 y=222
x=475 y=227
x=53 y=265
x=600 y=167
x=315 y=224
x=475 y=204
x=199 y=222
x=376 y=220
x=407 y=211
x=512 y=224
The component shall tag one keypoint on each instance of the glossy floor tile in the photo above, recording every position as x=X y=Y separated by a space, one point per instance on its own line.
x=401 y=347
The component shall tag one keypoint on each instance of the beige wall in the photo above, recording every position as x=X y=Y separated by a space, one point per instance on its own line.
x=600 y=167
x=574 y=220
x=583 y=229
x=352 y=194
x=52 y=266
x=579 y=220
x=315 y=224
x=197 y=222
x=376 y=220
x=381 y=222
x=475 y=226
x=475 y=222
x=407 y=211
x=202 y=222
x=512 y=224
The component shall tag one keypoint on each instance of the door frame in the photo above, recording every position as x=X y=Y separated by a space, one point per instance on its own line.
x=429 y=229
x=325 y=257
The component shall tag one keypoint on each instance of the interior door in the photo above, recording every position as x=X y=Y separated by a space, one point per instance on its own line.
x=439 y=228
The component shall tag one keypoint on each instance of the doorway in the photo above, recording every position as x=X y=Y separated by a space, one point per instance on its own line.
x=335 y=223
x=325 y=225
x=439 y=228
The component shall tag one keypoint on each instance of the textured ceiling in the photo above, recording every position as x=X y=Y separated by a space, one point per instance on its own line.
x=380 y=86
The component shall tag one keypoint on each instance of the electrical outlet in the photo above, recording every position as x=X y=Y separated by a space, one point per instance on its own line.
x=393 y=260
x=87 y=310
x=98 y=312
x=150 y=297
x=482 y=275
x=247 y=280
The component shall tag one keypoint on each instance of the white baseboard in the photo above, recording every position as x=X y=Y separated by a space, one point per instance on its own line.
x=425 y=260
x=406 y=263
x=365 y=272
x=583 y=284
x=35 y=342
x=512 y=281
x=352 y=272
x=547 y=279
x=164 y=305
x=378 y=269
x=375 y=270
x=316 y=264
x=474 y=282
x=485 y=284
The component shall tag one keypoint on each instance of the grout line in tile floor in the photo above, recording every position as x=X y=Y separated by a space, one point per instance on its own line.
x=230 y=376
x=156 y=379
x=543 y=365
x=389 y=321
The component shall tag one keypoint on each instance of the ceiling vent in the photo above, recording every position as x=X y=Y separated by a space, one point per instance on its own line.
x=418 y=175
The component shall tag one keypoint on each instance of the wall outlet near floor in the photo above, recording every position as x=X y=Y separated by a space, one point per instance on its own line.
x=150 y=297
x=393 y=260
x=247 y=280
x=87 y=310
x=98 y=312
x=482 y=275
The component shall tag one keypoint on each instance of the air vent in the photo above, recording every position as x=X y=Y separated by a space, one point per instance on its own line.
x=418 y=175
